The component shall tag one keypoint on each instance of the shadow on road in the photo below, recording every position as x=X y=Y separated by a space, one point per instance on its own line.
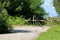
x=21 y=31
x=18 y=31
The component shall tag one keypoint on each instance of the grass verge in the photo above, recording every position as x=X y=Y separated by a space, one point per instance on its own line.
x=51 y=34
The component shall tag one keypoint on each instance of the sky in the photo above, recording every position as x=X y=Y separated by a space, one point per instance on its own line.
x=49 y=8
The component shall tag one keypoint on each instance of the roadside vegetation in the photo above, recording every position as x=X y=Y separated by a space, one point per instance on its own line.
x=15 y=12
x=52 y=34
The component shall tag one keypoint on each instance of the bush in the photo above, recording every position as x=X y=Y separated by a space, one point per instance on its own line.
x=17 y=20
x=5 y=27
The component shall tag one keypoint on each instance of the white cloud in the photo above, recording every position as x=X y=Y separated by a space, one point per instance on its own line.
x=49 y=8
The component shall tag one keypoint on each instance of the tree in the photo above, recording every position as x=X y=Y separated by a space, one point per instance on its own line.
x=57 y=6
x=27 y=8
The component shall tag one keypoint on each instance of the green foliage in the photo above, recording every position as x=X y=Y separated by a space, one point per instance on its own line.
x=51 y=34
x=4 y=26
x=24 y=7
x=35 y=3
x=11 y=11
x=57 y=6
x=53 y=21
x=17 y=20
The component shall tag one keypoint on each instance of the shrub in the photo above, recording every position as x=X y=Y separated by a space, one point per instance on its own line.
x=5 y=27
x=17 y=20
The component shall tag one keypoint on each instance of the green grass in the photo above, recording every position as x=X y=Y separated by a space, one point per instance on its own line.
x=51 y=34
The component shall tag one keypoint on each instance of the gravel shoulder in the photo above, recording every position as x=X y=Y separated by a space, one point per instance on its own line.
x=24 y=33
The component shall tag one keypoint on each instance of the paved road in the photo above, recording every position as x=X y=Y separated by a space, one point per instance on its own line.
x=24 y=33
